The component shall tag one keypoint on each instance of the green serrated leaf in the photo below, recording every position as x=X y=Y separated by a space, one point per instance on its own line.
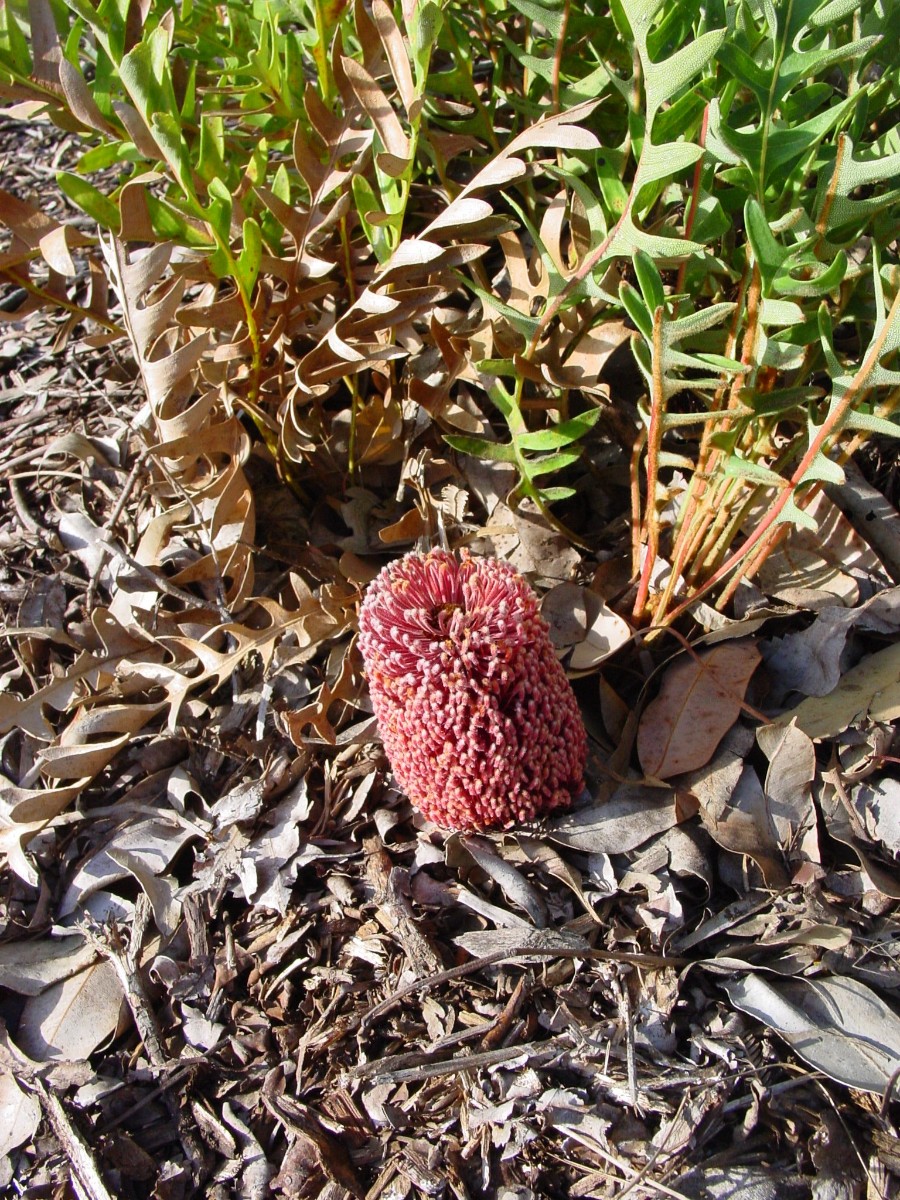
x=251 y=255
x=662 y=162
x=145 y=73
x=168 y=135
x=696 y=322
x=526 y=326
x=870 y=423
x=780 y=312
x=219 y=209
x=171 y=225
x=502 y=367
x=792 y=515
x=768 y=254
x=548 y=15
x=819 y=282
x=823 y=470
x=663 y=79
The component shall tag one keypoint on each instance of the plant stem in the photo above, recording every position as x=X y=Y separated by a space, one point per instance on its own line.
x=817 y=446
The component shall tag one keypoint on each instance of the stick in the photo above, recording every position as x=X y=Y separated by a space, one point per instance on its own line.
x=87 y=1178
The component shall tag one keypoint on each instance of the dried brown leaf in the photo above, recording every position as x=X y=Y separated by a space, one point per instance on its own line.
x=812 y=567
x=395 y=51
x=30 y=967
x=631 y=816
x=868 y=691
x=378 y=108
x=70 y=1019
x=699 y=701
x=20 y=1114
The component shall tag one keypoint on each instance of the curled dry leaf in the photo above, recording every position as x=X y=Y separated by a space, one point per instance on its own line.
x=143 y=848
x=809 y=660
x=846 y=823
x=363 y=335
x=792 y=768
x=734 y=812
x=699 y=701
x=30 y=967
x=516 y=888
x=878 y=805
x=201 y=445
x=580 y=621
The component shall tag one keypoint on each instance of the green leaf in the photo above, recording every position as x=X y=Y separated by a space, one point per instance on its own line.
x=552 y=494
x=780 y=312
x=219 y=209
x=550 y=16
x=168 y=136
x=819 y=281
x=823 y=470
x=480 y=447
x=867 y=422
x=767 y=253
x=250 y=256
x=561 y=434
x=90 y=200
x=171 y=225
x=792 y=515
x=526 y=326
x=696 y=322
x=552 y=463
x=145 y=73
x=634 y=305
x=649 y=281
x=662 y=162
x=663 y=79
x=744 y=468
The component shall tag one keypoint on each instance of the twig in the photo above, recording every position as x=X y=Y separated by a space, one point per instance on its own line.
x=472 y=1062
x=396 y=912
x=87 y=1180
x=363 y=1020
x=108 y=543
x=125 y=963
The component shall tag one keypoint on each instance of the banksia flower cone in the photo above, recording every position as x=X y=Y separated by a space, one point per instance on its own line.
x=475 y=711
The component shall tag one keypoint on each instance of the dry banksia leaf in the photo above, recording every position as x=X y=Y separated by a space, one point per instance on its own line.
x=477 y=716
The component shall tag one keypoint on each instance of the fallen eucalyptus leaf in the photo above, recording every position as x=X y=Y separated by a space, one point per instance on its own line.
x=837 y=1025
x=870 y=690
x=20 y=1114
x=70 y=1019
x=700 y=699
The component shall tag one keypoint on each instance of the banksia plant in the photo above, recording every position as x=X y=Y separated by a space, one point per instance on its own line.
x=475 y=711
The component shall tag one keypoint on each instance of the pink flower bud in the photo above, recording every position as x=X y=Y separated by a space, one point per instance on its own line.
x=475 y=711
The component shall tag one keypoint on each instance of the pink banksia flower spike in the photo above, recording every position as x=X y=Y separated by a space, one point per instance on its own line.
x=477 y=716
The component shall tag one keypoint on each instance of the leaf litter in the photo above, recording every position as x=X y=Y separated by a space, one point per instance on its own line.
x=229 y=947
